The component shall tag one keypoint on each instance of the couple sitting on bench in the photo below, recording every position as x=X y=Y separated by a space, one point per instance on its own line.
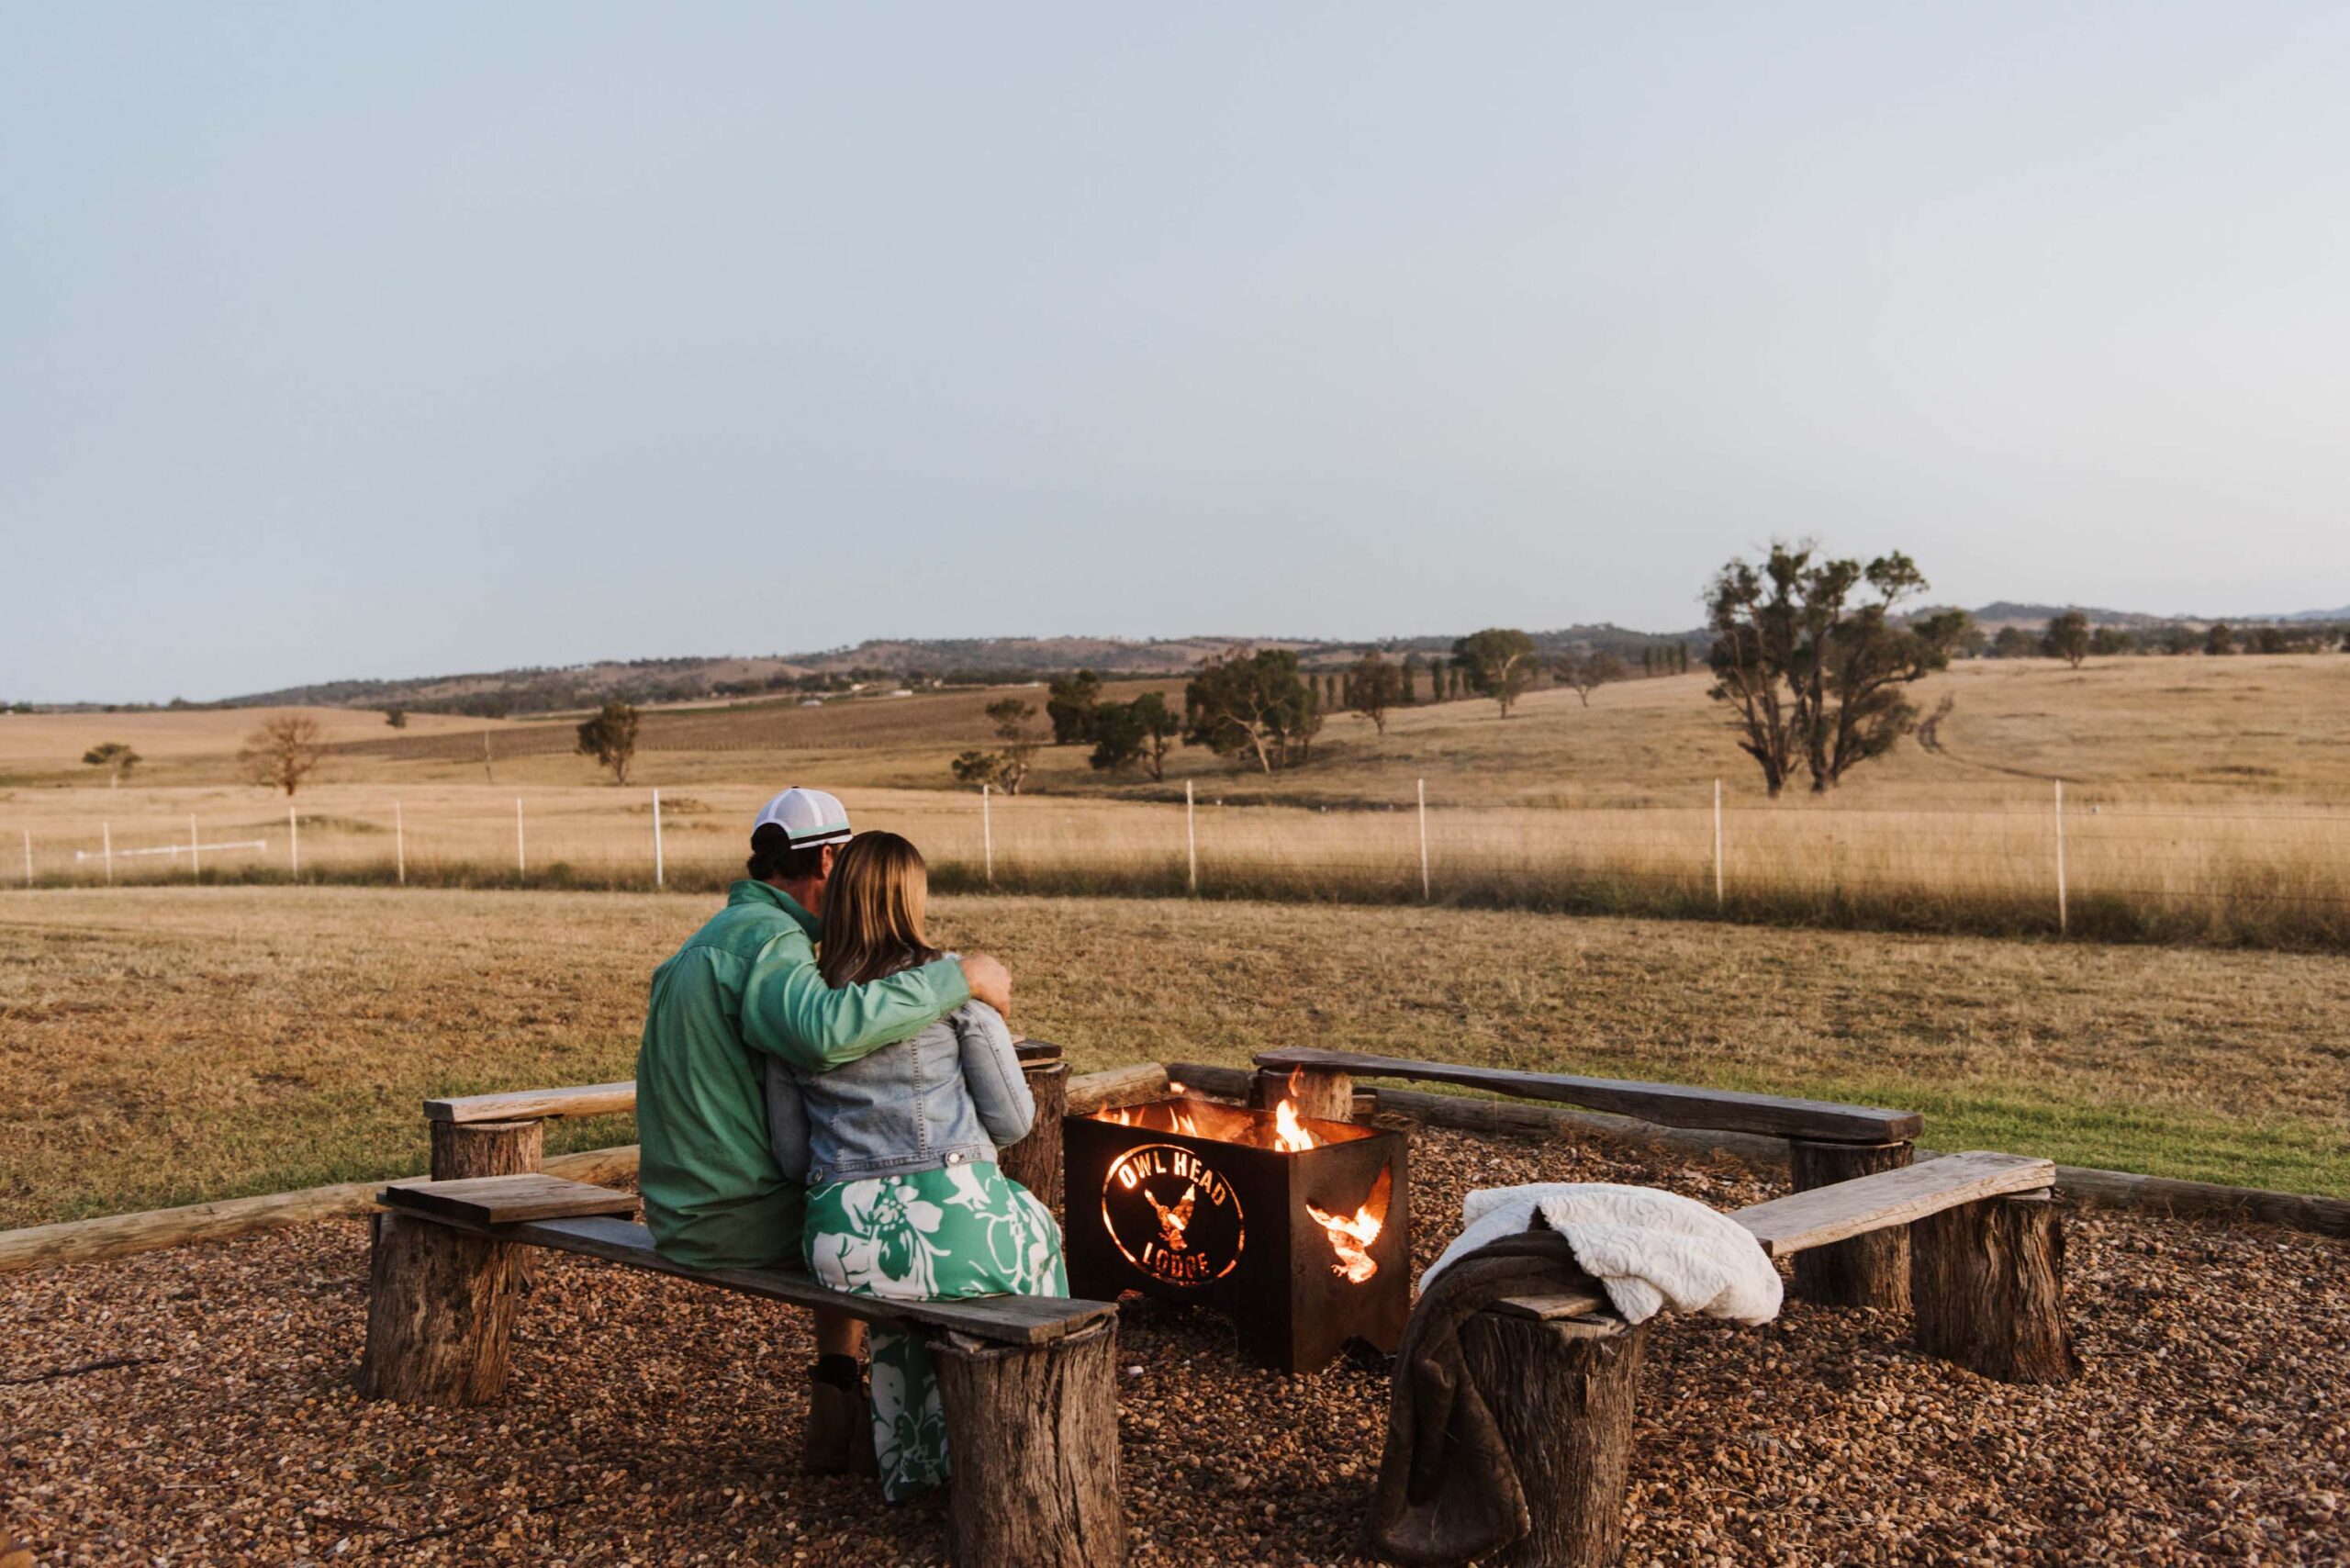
x=832 y=1096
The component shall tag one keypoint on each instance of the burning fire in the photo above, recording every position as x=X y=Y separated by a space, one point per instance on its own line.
x=1351 y=1236
x=1165 y=1118
x=1281 y=1129
x=1289 y=1134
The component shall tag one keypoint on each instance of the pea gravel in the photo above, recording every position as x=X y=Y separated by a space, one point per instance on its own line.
x=196 y=1407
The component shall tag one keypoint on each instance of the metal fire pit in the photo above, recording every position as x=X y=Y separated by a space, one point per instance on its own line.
x=1197 y=1202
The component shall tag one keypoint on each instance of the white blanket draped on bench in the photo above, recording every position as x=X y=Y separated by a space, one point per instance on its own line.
x=1649 y=1250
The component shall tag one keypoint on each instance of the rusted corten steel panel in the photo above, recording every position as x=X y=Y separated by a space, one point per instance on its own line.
x=1192 y=1200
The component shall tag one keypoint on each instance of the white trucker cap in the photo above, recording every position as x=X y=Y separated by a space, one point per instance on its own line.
x=807 y=817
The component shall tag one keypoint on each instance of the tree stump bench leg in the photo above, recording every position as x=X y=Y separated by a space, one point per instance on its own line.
x=463 y=1149
x=1322 y=1094
x=1562 y=1395
x=1867 y=1270
x=439 y=1313
x=1989 y=1285
x=1032 y=1439
x=1035 y=1160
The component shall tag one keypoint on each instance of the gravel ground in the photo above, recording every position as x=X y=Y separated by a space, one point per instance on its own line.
x=196 y=1407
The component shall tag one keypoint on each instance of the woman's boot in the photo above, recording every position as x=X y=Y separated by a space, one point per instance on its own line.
x=839 y=1438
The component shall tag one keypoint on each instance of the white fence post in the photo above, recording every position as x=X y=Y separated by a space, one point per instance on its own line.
x=194 y=861
x=657 y=869
x=1192 y=836
x=1424 y=840
x=292 y=841
x=399 y=844
x=987 y=833
x=522 y=866
x=106 y=838
x=1717 y=847
x=2063 y=926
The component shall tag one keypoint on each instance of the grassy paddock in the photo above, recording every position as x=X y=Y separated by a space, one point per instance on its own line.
x=2143 y=863
x=2204 y=803
x=168 y=1045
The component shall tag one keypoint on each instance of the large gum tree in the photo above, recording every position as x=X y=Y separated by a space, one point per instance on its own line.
x=1813 y=660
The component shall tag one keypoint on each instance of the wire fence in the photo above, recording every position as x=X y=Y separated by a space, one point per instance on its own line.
x=2101 y=864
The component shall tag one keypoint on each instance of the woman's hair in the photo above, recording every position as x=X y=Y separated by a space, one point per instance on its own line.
x=874 y=903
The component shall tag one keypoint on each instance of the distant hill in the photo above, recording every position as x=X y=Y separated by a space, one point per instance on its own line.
x=964 y=661
x=991 y=661
x=2009 y=613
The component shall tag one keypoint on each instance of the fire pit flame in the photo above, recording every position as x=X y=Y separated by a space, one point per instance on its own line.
x=1297 y=1227
x=1289 y=1134
x=1350 y=1236
x=1282 y=1130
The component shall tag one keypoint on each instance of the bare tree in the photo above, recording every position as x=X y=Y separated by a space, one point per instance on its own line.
x=283 y=752
x=610 y=738
x=1587 y=671
x=1929 y=728
x=115 y=757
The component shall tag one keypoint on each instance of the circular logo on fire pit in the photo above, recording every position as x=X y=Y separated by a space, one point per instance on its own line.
x=1174 y=1215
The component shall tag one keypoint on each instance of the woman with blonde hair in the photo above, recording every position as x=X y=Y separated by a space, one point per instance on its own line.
x=898 y=1150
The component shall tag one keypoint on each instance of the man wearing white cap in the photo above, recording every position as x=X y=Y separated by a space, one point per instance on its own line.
x=745 y=988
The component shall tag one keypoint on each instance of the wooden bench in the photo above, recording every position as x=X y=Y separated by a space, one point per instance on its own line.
x=504 y=1134
x=1987 y=1257
x=1827 y=1142
x=1028 y=1383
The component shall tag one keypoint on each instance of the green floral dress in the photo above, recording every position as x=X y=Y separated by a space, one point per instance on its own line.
x=965 y=1230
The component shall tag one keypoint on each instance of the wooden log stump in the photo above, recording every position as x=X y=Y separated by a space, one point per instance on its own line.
x=1324 y=1095
x=1988 y=1282
x=1562 y=1395
x=1867 y=1270
x=491 y=1148
x=1035 y=1160
x=1032 y=1439
x=486 y=1148
x=439 y=1313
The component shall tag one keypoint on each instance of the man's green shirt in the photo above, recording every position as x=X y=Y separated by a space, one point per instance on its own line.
x=743 y=988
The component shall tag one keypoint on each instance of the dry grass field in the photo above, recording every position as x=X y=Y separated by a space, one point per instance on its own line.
x=2205 y=801
x=45 y=748
x=162 y=1046
x=2269 y=726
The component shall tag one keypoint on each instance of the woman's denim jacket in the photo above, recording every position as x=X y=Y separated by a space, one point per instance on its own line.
x=952 y=1094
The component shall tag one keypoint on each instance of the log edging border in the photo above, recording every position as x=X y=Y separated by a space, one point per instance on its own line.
x=122 y=1236
x=2118 y=1189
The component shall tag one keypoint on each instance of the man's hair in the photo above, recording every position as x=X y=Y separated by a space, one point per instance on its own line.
x=773 y=860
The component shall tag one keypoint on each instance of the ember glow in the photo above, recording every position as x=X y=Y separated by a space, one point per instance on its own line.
x=1351 y=1235
x=1281 y=1129
x=1290 y=1135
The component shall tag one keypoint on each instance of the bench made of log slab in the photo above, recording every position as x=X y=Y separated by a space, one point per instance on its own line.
x=1827 y=1142
x=1987 y=1254
x=501 y=1134
x=1028 y=1383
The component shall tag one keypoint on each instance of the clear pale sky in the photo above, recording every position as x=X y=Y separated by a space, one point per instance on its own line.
x=376 y=340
